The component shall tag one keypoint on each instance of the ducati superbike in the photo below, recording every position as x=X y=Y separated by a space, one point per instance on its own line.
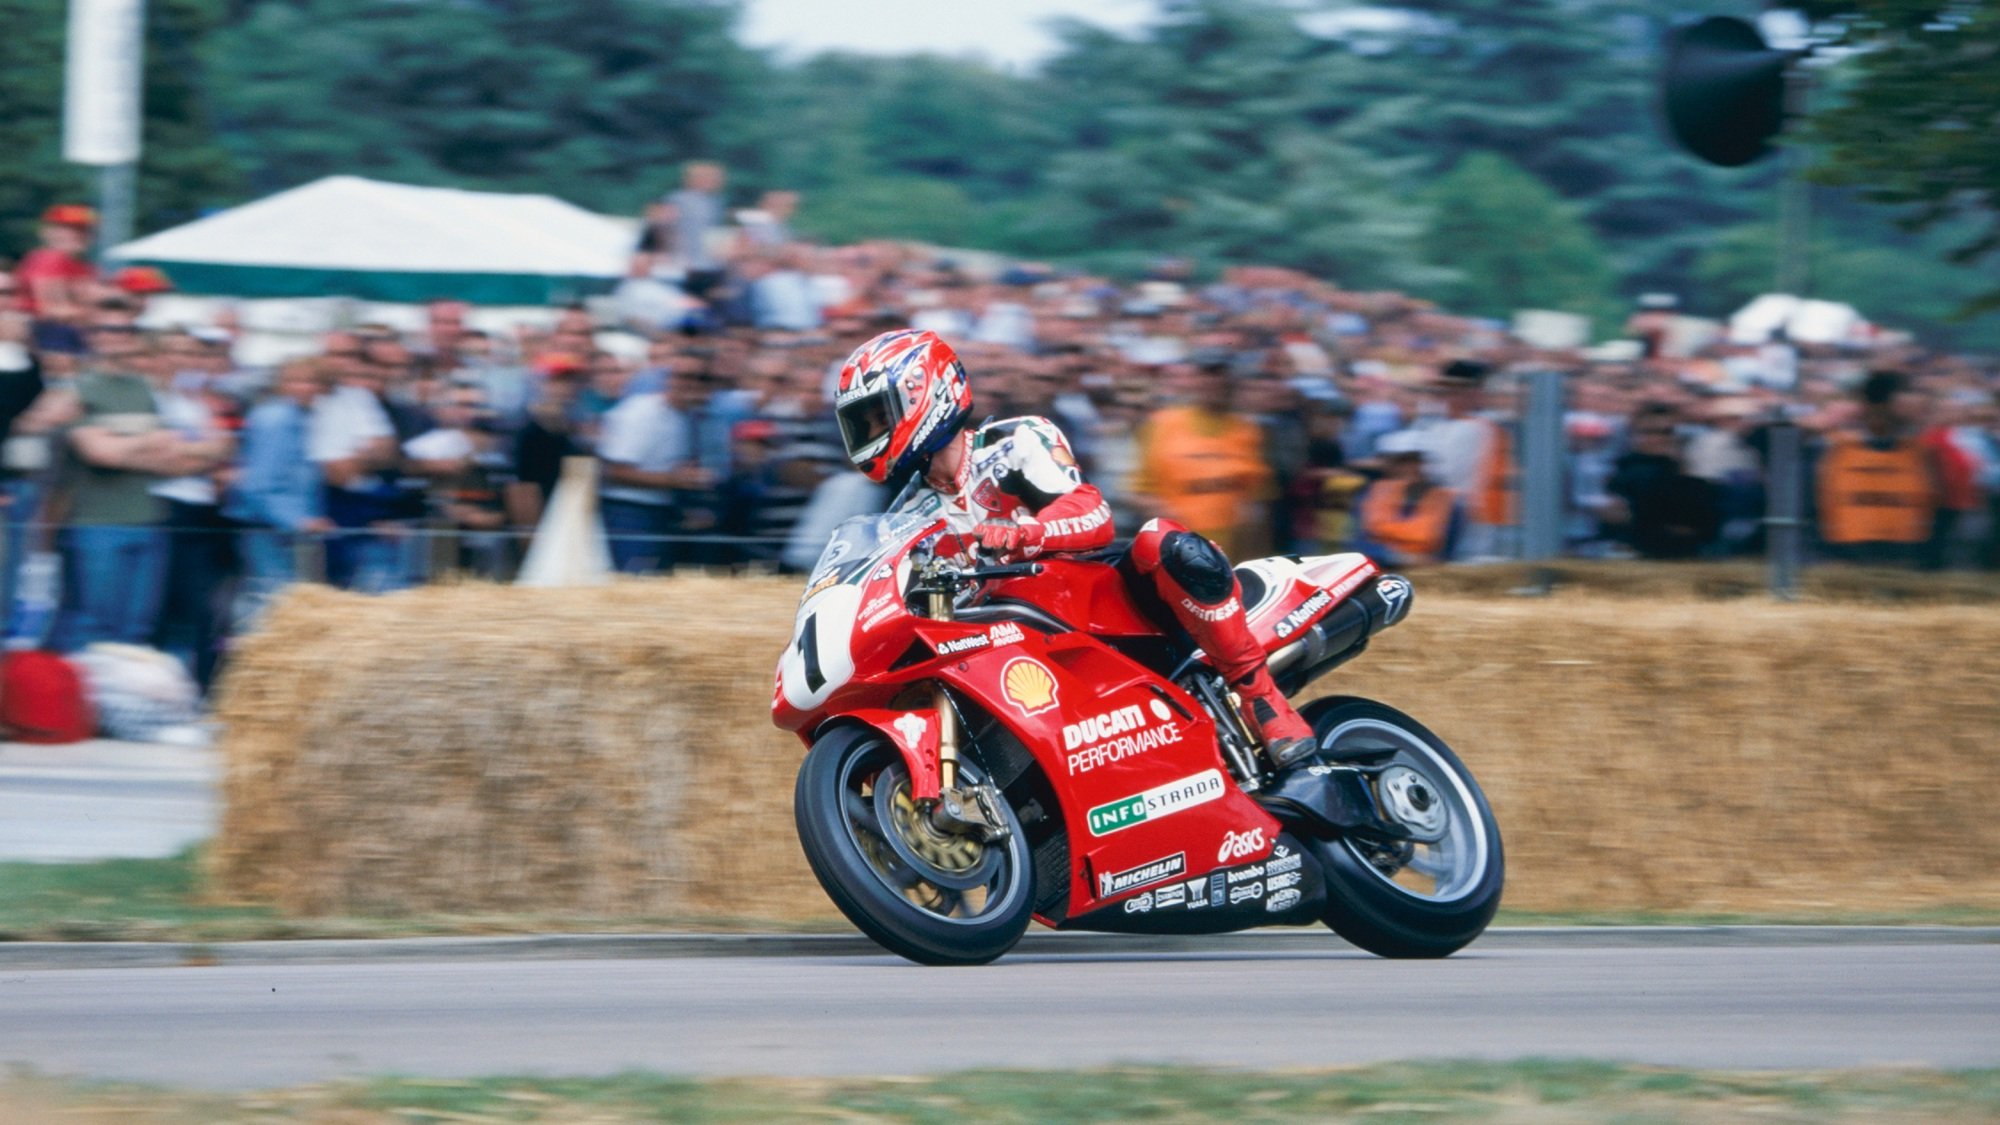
x=991 y=744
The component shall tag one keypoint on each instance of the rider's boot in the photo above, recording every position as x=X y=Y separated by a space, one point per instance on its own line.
x=1286 y=735
x=1195 y=580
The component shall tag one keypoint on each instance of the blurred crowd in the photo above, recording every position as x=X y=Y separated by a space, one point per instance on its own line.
x=161 y=488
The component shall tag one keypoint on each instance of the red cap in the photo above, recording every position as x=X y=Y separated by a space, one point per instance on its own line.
x=70 y=215
x=141 y=281
x=560 y=363
x=754 y=429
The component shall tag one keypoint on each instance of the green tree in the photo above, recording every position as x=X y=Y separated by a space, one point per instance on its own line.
x=1915 y=113
x=181 y=170
x=857 y=208
x=1513 y=243
x=1566 y=89
x=1193 y=140
x=597 y=100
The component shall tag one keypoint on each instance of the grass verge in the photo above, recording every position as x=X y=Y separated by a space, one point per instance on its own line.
x=162 y=900
x=1389 y=1093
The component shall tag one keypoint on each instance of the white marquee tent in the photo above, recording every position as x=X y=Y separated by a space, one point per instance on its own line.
x=377 y=241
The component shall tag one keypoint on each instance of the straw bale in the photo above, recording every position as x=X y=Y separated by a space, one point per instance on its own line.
x=609 y=751
x=1726 y=757
x=475 y=748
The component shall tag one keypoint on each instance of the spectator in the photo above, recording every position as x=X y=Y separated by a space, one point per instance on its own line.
x=141 y=283
x=1287 y=450
x=20 y=371
x=801 y=449
x=770 y=225
x=201 y=555
x=1115 y=446
x=610 y=383
x=782 y=297
x=1657 y=508
x=1877 y=490
x=1978 y=435
x=56 y=278
x=1201 y=464
x=506 y=382
x=1472 y=455
x=21 y=385
x=1325 y=494
x=1592 y=455
x=695 y=217
x=1376 y=415
x=758 y=505
x=354 y=443
x=546 y=438
x=279 y=492
x=1955 y=472
x=114 y=550
x=1406 y=518
x=1720 y=453
x=444 y=332
x=468 y=475
x=652 y=460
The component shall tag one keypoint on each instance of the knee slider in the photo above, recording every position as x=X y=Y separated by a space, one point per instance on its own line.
x=1199 y=566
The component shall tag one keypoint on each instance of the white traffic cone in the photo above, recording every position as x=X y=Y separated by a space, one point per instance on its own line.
x=569 y=547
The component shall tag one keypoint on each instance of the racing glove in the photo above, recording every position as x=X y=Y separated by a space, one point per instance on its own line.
x=1009 y=540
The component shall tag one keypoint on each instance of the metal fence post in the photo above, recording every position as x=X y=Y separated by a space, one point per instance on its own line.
x=1784 y=518
x=1542 y=474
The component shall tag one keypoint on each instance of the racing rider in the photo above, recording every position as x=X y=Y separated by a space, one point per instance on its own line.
x=1012 y=488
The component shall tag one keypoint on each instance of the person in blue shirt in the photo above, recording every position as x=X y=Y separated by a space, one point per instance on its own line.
x=278 y=491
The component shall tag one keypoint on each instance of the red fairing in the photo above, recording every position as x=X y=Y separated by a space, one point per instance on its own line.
x=915 y=734
x=1107 y=731
x=1088 y=596
x=1299 y=594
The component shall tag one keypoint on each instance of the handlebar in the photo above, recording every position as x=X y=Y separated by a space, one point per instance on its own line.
x=1002 y=570
x=953 y=577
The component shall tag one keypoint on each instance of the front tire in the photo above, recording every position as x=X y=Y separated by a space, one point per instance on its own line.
x=933 y=898
x=1428 y=897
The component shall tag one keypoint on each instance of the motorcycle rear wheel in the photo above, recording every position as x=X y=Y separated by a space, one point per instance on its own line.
x=933 y=898
x=1399 y=898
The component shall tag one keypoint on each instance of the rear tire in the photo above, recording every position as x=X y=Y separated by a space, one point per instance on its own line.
x=1373 y=900
x=934 y=899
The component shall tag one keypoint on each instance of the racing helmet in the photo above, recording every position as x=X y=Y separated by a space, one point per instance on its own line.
x=903 y=395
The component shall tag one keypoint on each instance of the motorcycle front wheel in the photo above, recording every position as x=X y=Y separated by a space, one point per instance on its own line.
x=1427 y=895
x=936 y=898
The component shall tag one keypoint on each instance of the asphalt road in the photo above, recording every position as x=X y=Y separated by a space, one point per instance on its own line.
x=1731 y=1006
x=100 y=800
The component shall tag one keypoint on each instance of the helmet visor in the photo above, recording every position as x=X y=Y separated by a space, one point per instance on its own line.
x=865 y=424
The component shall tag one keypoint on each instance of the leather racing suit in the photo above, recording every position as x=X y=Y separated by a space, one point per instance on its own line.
x=1018 y=493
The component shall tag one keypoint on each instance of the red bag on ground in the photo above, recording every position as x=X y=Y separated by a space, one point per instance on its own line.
x=42 y=699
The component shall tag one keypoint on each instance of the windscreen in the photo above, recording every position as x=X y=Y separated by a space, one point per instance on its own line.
x=851 y=551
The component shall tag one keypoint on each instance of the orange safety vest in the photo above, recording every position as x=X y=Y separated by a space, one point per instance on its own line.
x=1497 y=494
x=1869 y=495
x=1204 y=474
x=1415 y=534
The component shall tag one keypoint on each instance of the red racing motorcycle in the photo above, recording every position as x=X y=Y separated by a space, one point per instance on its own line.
x=994 y=743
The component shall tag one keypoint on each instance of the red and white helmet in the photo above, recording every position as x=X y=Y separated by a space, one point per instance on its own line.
x=902 y=396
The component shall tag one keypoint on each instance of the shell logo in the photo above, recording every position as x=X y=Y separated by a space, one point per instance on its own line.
x=1028 y=685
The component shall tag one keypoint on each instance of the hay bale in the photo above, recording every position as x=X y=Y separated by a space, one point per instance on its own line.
x=475 y=748
x=1692 y=756
x=609 y=751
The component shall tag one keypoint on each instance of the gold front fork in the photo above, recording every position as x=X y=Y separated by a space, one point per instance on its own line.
x=940 y=610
